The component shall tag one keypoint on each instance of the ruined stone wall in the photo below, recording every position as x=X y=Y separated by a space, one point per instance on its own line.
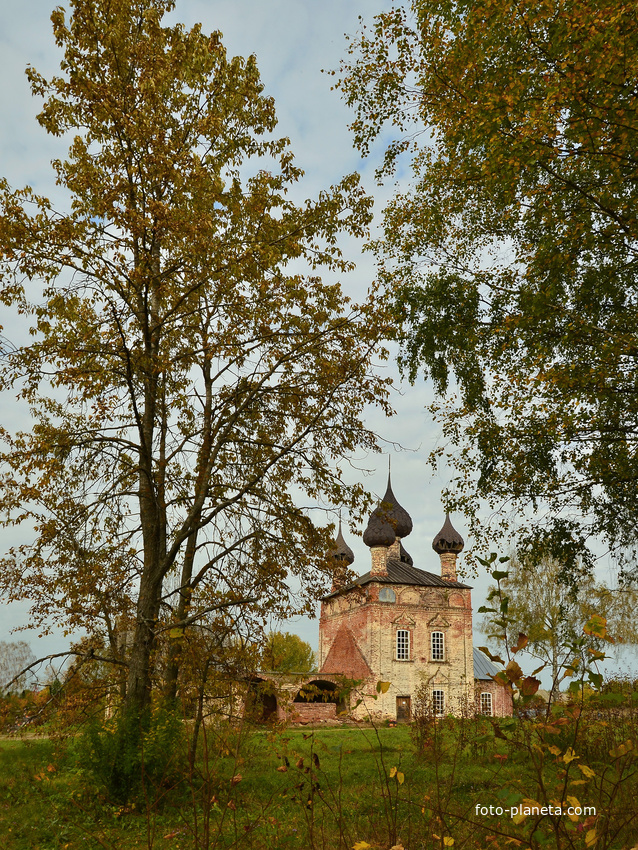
x=312 y=712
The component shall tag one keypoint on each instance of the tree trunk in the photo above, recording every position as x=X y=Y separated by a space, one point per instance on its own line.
x=175 y=646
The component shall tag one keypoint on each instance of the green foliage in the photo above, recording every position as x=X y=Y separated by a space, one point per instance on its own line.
x=512 y=256
x=288 y=653
x=132 y=755
x=332 y=789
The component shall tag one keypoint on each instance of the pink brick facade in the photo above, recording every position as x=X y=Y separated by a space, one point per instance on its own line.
x=404 y=626
x=500 y=703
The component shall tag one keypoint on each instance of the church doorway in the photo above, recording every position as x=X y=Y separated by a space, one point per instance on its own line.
x=261 y=701
x=404 y=709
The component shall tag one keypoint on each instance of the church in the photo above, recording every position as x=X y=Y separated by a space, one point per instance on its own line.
x=402 y=625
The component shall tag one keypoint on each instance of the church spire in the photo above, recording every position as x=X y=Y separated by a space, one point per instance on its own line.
x=448 y=543
x=340 y=550
x=388 y=524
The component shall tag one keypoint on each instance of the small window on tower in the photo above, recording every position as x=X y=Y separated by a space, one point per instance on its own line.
x=403 y=645
x=438 y=646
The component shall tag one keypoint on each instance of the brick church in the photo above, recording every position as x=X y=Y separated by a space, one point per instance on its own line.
x=398 y=623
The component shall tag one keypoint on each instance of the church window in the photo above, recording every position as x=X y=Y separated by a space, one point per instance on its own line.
x=403 y=645
x=438 y=702
x=386 y=594
x=486 y=704
x=438 y=646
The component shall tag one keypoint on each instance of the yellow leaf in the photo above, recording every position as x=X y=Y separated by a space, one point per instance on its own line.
x=596 y=625
x=448 y=842
x=382 y=687
x=393 y=772
x=586 y=771
x=590 y=838
x=400 y=777
x=569 y=756
x=622 y=749
x=361 y=845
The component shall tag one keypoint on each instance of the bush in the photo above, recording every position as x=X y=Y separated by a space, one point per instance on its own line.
x=131 y=753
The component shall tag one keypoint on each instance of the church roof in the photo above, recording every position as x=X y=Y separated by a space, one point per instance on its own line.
x=401 y=573
x=483 y=667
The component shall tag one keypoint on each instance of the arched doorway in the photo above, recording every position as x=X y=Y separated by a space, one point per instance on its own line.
x=261 y=701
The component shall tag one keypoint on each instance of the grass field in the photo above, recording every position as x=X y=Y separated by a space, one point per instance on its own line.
x=328 y=788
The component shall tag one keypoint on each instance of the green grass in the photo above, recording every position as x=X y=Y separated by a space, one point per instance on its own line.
x=329 y=788
x=335 y=786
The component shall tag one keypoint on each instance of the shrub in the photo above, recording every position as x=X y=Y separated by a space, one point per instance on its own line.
x=131 y=753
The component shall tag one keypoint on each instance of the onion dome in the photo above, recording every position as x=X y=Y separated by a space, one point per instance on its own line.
x=448 y=539
x=393 y=513
x=405 y=557
x=379 y=532
x=340 y=550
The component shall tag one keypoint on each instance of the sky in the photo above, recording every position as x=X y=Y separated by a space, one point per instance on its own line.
x=293 y=41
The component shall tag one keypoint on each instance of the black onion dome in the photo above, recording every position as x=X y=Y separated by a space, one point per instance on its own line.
x=405 y=557
x=392 y=512
x=340 y=550
x=379 y=532
x=448 y=539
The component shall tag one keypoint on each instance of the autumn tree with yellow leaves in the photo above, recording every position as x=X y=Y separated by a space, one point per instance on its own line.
x=191 y=379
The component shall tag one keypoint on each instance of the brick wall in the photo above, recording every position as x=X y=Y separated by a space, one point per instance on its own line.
x=502 y=705
x=373 y=625
x=309 y=712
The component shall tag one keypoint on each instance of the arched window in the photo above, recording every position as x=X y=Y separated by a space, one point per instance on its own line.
x=438 y=646
x=403 y=645
x=486 y=704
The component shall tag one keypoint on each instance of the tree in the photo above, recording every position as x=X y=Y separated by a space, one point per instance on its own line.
x=513 y=256
x=288 y=653
x=15 y=656
x=552 y=613
x=191 y=379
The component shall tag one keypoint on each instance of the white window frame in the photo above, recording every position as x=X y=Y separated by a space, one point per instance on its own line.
x=402 y=645
x=438 y=702
x=487 y=702
x=437 y=646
